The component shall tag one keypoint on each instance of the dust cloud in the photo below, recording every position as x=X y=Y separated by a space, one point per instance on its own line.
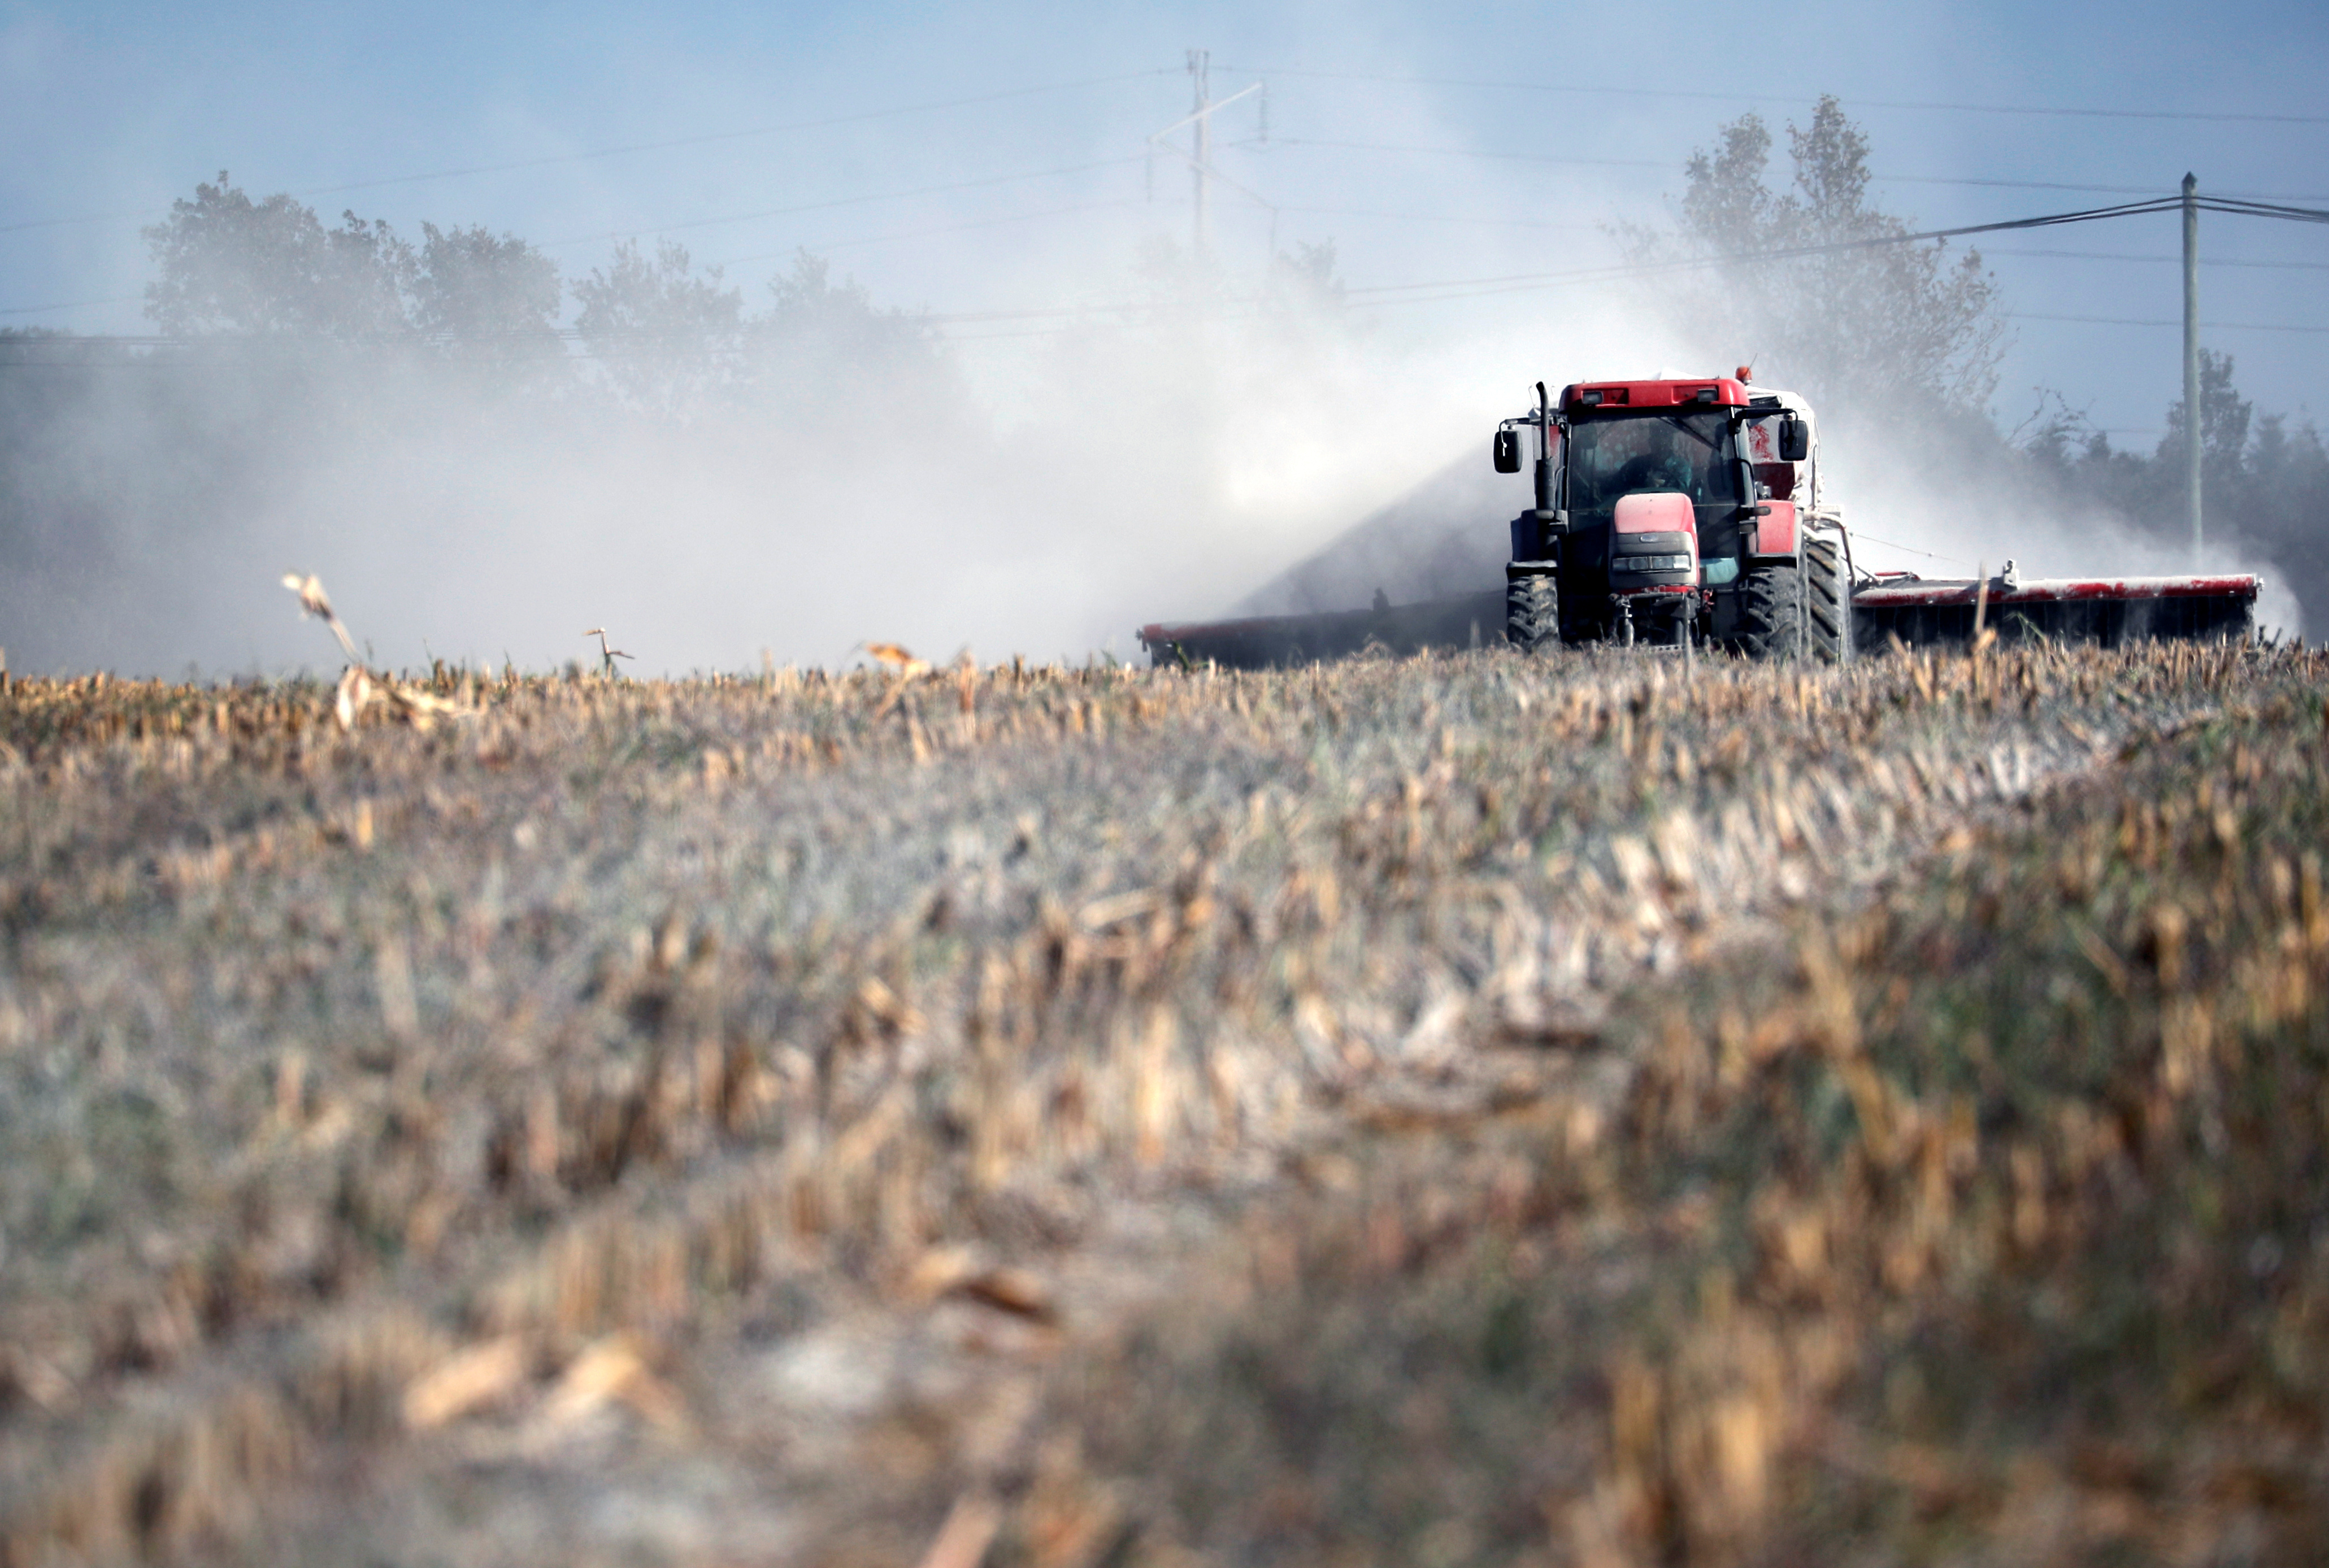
x=1206 y=443
x=1040 y=495
x=1942 y=506
x=1921 y=492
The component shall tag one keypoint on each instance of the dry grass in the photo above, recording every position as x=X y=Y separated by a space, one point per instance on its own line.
x=762 y=1119
x=1984 y=1222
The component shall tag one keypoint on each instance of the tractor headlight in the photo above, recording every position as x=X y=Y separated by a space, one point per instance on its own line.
x=1650 y=563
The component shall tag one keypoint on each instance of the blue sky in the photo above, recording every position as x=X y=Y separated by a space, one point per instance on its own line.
x=113 y=109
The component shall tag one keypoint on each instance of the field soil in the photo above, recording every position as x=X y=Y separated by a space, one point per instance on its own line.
x=1459 y=1110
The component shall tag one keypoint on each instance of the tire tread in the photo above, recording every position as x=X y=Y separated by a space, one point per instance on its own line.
x=1799 y=610
x=1532 y=614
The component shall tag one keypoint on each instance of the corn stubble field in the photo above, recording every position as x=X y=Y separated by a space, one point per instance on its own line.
x=1460 y=1110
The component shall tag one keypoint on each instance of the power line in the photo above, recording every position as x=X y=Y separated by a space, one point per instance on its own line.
x=748 y=217
x=704 y=139
x=1512 y=282
x=1501 y=284
x=71 y=305
x=1479 y=152
x=845 y=202
x=1453 y=218
x=711 y=136
x=2060 y=185
x=1464 y=288
x=2246 y=207
x=814 y=248
x=67 y=222
x=2172 y=261
x=825 y=245
x=1790 y=98
x=758 y=256
x=1668 y=163
x=1446 y=218
x=2131 y=321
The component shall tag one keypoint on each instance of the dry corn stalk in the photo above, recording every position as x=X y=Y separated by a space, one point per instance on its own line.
x=904 y=667
x=613 y=1370
x=467 y=1380
x=314 y=601
x=607 y=655
x=359 y=687
x=898 y=660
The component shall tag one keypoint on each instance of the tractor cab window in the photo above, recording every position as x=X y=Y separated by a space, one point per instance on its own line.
x=1616 y=456
x=1777 y=477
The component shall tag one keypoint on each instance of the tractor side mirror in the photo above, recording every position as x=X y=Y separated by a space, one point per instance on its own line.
x=1795 y=440
x=1508 y=451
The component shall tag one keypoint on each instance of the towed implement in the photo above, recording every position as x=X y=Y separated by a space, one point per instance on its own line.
x=2111 y=611
x=1467 y=620
x=1689 y=512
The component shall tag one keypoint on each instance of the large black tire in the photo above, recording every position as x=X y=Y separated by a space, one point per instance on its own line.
x=1828 y=578
x=1532 y=613
x=1803 y=612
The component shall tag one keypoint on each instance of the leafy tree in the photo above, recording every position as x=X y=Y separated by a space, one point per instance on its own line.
x=2264 y=483
x=823 y=345
x=1304 y=282
x=227 y=264
x=661 y=331
x=807 y=309
x=662 y=298
x=473 y=284
x=1180 y=285
x=2283 y=503
x=1866 y=327
x=2224 y=420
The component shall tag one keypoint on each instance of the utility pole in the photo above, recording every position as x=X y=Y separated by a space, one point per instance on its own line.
x=1201 y=112
x=1200 y=154
x=2192 y=448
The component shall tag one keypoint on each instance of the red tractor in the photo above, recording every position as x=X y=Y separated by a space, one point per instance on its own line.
x=1673 y=512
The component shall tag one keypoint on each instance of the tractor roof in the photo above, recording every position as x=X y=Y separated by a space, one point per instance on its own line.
x=1720 y=391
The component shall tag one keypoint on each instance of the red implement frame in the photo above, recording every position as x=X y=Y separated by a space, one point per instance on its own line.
x=2106 y=610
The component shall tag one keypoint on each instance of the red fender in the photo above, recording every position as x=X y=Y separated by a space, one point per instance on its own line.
x=1775 y=533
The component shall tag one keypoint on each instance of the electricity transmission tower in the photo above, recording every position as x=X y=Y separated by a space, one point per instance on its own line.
x=1200 y=156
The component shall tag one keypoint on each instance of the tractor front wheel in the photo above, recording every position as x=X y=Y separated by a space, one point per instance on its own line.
x=1532 y=613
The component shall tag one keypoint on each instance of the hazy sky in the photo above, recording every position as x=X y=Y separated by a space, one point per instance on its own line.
x=115 y=107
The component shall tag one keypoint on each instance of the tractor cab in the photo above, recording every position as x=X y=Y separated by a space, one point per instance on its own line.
x=1655 y=498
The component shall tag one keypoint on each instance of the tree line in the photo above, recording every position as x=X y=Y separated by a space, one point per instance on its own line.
x=267 y=282
x=1910 y=336
x=2263 y=479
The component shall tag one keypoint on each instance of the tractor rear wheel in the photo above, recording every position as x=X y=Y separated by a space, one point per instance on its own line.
x=1532 y=613
x=1799 y=612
